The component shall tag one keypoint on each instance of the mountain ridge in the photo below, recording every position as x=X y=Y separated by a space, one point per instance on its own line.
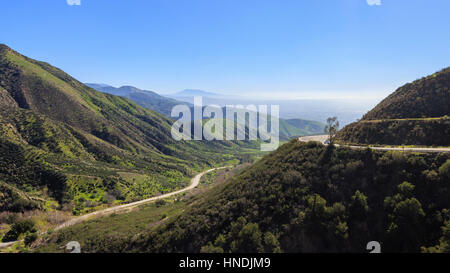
x=145 y=98
x=417 y=113
x=288 y=128
x=423 y=98
x=196 y=92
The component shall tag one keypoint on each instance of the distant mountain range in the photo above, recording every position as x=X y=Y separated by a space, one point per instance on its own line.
x=347 y=111
x=288 y=128
x=196 y=92
x=144 y=98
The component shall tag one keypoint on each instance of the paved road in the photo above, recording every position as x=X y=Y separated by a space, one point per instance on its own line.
x=318 y=138
x=406 y=149
x=323 y=138
x=194 y=183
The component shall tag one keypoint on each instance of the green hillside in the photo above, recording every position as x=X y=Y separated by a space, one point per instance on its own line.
x=305 y=197
x=424 y=98
x=67 y=146
x=303 y=127
x=423 y=132
x=415 y=114
x=144 y=98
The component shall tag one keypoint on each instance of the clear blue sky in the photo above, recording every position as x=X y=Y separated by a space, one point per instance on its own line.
x=290 y=48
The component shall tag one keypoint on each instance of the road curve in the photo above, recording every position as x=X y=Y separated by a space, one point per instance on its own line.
x=323 y=138
x=195 y=181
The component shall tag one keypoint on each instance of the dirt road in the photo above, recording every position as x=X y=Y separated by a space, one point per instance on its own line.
x=195 y=181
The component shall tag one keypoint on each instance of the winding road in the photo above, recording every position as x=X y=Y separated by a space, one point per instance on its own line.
x=323 y=138
x=195 y=181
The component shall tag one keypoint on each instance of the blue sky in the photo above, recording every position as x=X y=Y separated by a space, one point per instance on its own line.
x=277 y=48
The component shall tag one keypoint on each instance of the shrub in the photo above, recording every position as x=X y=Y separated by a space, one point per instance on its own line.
x=444 y=170
x=18 y=228
x=30 y=238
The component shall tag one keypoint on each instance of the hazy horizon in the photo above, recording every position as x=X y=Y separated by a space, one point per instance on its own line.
x=267 y=49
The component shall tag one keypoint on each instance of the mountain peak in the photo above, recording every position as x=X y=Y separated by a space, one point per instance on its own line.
x=131 y=88
x=196 y=92
x=145 y=98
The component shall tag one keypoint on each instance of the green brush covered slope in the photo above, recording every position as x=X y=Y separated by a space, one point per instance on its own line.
x=302 y=127
x=64 y=145
x=415 y=114
x=428 y=97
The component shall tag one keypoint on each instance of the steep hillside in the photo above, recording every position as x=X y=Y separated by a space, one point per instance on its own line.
x=65 y=143
x=415 y=114
x=423 y=132
x=306 y=197
x=425 y=98
x=144 y=98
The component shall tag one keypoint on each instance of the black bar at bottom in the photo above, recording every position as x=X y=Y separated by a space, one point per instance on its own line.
x=220 y=262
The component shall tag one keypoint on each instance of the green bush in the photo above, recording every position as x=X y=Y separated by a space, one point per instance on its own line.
x=444 y=170
x=19 y=228
x=30 y=238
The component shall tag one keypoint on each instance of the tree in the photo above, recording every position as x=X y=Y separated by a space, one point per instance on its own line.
x=30 y=237
x=271 y=243
x=444 y=242
x=406 y=189
x=18 y=228
x=248 y=239
x=444 y=170
x=406 y=229
x=358 y=207
x=210 y=248
x=331 y=128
